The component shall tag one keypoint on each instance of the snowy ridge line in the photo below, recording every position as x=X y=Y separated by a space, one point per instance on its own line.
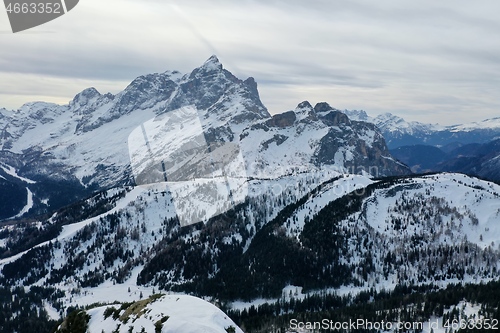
x=135 y=193
x=373 y=236
x=168 y=313
x=315 y=203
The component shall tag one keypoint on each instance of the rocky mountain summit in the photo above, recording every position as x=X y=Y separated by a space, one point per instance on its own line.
x=100 y=141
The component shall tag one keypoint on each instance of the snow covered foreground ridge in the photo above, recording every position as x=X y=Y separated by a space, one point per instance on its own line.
x=436 y=229
x=161 y=314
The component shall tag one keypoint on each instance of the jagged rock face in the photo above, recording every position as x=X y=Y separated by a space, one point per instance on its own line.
x=146 y=91
x=282 y=120
x=143 y=93
x=89 y=140
x=318 y=138
x=214 y=89
x=359 y=144
x=335 y=118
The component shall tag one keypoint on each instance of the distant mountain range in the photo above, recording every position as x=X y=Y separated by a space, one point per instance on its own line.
x=469 y=148
x=399 y=132
x=481 y=160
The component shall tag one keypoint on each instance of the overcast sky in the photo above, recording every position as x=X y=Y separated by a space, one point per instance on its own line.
x=430 y=61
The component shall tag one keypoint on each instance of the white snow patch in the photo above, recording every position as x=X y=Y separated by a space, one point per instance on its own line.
x=12 y=171
x=28 y=206
x=186 y=314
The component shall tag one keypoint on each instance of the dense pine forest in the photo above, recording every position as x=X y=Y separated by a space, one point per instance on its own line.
x=403 y=304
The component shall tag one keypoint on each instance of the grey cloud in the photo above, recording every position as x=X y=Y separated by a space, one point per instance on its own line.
x=385 y=56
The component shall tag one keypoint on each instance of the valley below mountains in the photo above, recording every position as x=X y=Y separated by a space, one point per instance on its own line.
x=183 y=197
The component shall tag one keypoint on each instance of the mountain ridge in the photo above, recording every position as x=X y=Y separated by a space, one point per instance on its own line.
x=399 y=132
x=65 y=143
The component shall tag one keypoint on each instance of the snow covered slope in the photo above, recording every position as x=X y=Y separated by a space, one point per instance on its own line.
x=435 y=229
x=109 y=250
x=491 y=124
x=159 y=313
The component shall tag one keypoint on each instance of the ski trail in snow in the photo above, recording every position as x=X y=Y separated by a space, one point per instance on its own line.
x=28 y=206
x=11 y=171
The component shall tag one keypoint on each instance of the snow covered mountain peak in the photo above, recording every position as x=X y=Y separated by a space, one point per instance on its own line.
x=86 y=101
x=391 y=122
x=85 y=96
x=212 y=64
x=332 y=116
x=323 y=111
x=487 y=124
x=359 y=115
x=91 y=144
x=304 y=105
x=218 y=93
x=305 y=111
